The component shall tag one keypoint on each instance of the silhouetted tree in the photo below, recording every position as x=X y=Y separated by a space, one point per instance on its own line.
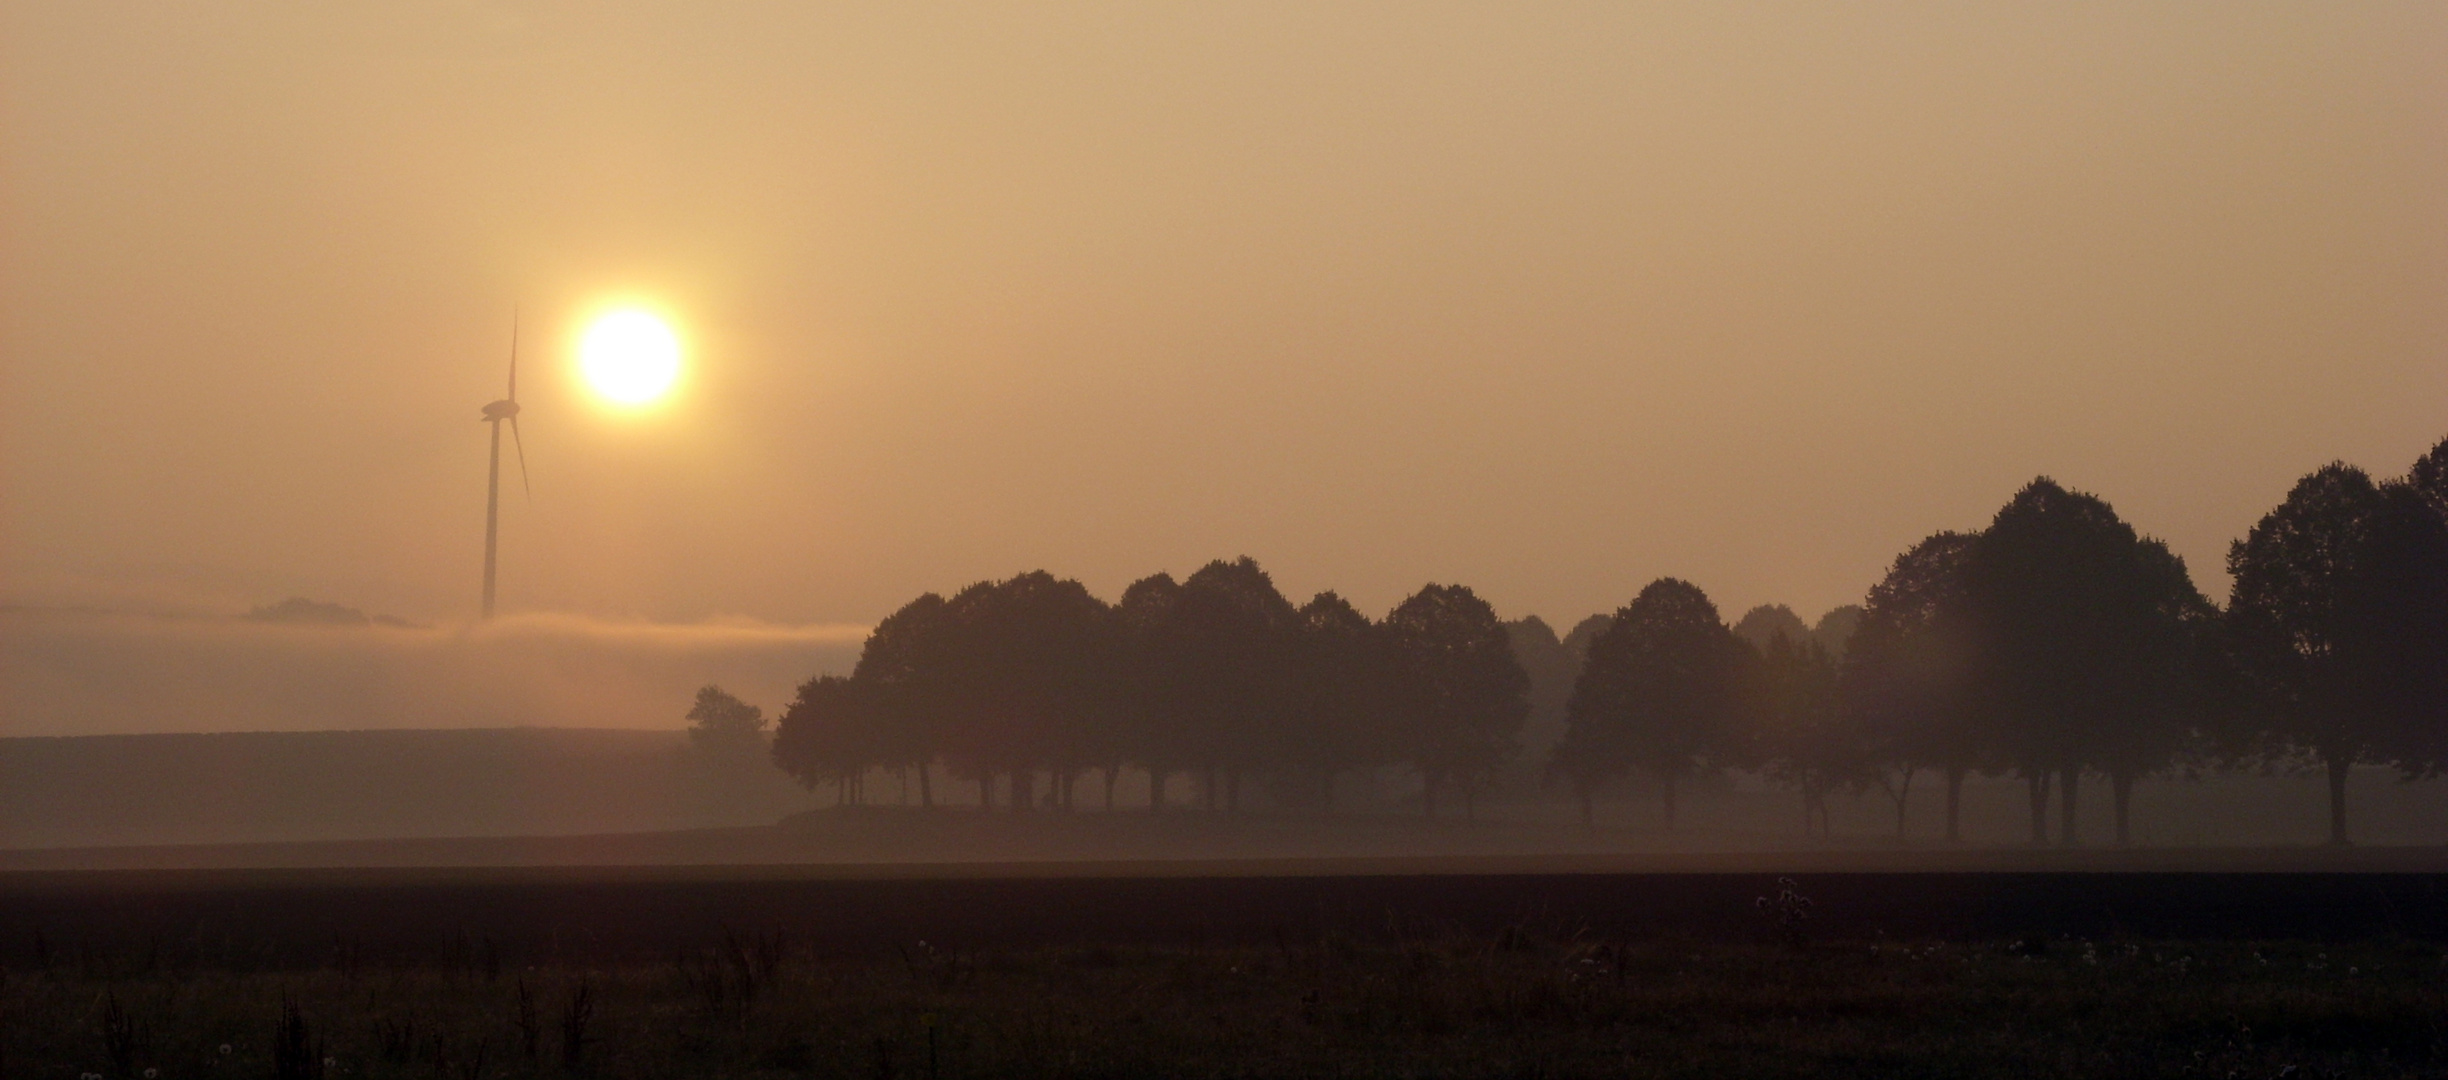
x=1235 y=647
x=1152 y=667
x=828 y=734
x=1762 y=625
x=1552 y=667
x=2336 y=597
x=723 y=725
x=1805 y=737
x=1346 y=697
x=1025 y=664
x=1661 y=692
x=2426 y=687
x=2074 y=620
x=2409 y=600
x=1577 y=642
x=2158 y=703
x=2430 y=477
x=1461 y=695
x=1903 y=676
x=898 y=671
x=1835 y=630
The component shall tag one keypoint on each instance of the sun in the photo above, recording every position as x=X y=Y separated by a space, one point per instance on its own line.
x=629 y=356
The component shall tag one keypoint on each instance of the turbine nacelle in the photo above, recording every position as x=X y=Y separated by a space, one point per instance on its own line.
x=501 y=410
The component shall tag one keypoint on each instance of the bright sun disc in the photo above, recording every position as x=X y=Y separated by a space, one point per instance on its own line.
x=630 y=357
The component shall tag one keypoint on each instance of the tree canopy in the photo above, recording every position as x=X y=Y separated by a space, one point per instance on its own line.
x=2335 y=622
x=1660 y=693
x=722 y=724
x=1461 y=694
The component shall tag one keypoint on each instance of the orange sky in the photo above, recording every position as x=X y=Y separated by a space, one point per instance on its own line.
x=1550 y=300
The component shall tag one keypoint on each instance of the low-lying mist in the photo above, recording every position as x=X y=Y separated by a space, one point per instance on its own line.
x=68 y=672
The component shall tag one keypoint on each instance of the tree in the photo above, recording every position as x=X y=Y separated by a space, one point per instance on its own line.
x=724 y=726
x=1345 y=690
x=2074 y=621
x=1551 y=665
x=1835 y=630
x=1903 y=676
x=2159 y=705
x=2426 y=641
x=1461 y=693
x=1804 y=734
x=2430 y=477
x=1762 y=625
x=1149 y=676
x=2407 y=603
x=1661 y=692
x=906 y=702
x=1024 y=666
x=2336 y=601
x=1234 y=658
x=828 y=734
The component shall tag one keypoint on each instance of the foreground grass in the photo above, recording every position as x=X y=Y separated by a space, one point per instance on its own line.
x=1517 y=1005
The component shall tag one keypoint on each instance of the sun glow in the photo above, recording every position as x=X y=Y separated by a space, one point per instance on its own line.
x=629 y=356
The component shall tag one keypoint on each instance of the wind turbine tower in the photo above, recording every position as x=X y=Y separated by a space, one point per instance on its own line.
x=494 y=413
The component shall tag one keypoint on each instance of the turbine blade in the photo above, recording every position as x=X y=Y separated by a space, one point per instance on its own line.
x=514 y=329
x=521 y=444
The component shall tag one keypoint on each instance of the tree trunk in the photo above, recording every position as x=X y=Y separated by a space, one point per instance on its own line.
x=1110 y=770
x=1470 y=803
x=1588 y=817
x=1955 y=779
x=2338 y=765
x=1670 y=801
x=2120 y=783
x=1232 y=791
x=926 y=785
x=1903 y=792
x=1428 y=786
x=2069 y=834
x=1210 y=792
x=2039 y=781
x=986 y=793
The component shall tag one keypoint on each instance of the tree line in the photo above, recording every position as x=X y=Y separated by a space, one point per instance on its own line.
x=1217 y=677
x=2057 y=643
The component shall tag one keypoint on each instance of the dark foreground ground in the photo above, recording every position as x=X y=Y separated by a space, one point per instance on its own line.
x=899 y=972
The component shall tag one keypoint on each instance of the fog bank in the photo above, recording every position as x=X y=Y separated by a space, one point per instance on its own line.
x=67 y=672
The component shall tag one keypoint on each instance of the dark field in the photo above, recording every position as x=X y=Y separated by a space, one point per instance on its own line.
x=715 y=972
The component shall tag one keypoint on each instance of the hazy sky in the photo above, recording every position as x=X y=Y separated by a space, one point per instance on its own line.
x=1549 y=300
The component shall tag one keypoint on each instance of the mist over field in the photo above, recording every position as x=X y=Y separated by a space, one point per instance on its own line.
x=65 y=672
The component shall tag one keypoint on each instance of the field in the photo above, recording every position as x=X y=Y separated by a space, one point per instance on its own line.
x=900 y=972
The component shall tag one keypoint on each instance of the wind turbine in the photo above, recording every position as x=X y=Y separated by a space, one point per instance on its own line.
x=494 y=413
